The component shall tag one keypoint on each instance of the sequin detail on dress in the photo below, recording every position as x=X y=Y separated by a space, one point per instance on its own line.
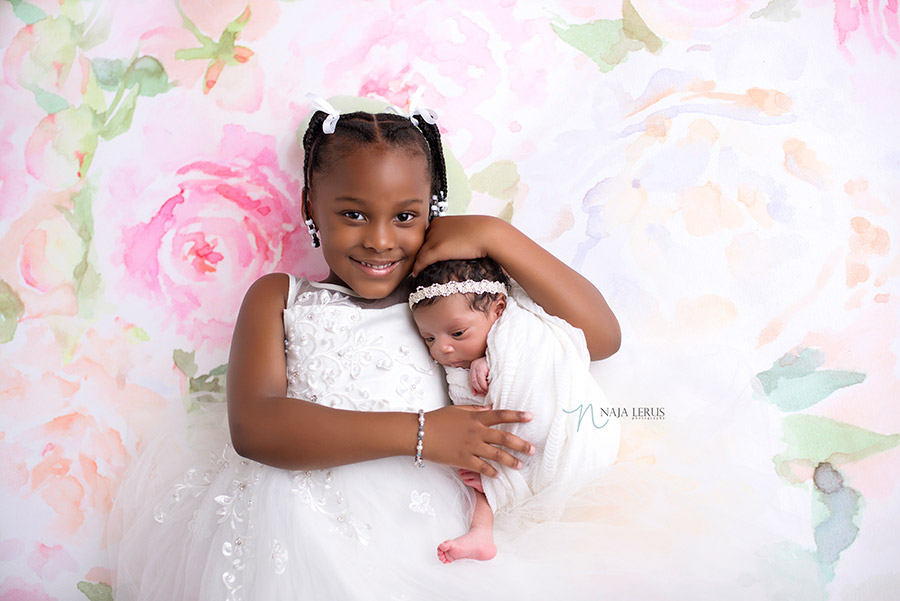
x=193 y=484
x=315 y=488
x=278 y=557
x=234 y=511
x=421 y=503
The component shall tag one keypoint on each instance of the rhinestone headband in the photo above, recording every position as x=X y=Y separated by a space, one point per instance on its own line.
x=467 y=287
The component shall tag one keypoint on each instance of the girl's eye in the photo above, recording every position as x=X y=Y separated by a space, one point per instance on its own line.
x=354 y=215
x=406 y=216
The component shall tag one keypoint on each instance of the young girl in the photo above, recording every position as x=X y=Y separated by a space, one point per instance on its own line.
x=500 y=349
x=314 y=490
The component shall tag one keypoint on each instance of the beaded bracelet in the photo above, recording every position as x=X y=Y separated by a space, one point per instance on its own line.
x=419 y=436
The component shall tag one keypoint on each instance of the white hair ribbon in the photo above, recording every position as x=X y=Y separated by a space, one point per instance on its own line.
x=428 y=115
x=414 y=109
x=320 y=104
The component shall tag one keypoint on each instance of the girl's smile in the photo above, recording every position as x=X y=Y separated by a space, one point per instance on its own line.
x=378 y=268
x=371 y=210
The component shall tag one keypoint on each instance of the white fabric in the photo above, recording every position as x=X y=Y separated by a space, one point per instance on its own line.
x=194 y=521
x=197 y=521
x=539 y=363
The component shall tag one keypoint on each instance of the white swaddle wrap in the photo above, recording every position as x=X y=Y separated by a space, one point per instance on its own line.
x=539 y=363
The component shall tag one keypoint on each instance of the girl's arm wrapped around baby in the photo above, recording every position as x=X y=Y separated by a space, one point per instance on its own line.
x=271 y=428
x=555 y=286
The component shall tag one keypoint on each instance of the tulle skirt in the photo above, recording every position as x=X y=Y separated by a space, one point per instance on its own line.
x=685 y=512
x=194 y=520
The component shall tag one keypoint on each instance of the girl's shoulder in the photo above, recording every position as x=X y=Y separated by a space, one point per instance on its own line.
x=269 y=291
x=274 y=283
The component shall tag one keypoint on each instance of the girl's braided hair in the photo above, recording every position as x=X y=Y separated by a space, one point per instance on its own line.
x=321 y=150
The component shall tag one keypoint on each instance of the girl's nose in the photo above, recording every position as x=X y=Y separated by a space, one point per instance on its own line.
x=379 y=236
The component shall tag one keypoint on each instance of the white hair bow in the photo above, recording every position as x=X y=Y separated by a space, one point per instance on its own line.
x=428 y=115
x=323 y=105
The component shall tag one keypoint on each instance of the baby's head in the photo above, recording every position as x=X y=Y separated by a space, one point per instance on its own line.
x=455 y=303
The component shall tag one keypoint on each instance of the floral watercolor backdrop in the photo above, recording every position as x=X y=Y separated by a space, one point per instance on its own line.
x=725 y=171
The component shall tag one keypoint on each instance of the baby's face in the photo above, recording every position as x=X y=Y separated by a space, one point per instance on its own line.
x=455 y=333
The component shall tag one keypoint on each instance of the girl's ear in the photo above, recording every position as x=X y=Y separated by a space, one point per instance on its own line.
x=307 y=213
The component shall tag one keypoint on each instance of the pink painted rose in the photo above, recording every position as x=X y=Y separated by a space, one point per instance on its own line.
x=391 y=58
x=877 y=20
x=264 y=15
x=15 y=587
x=13 y=177
x=45 y=65
x=234 y=217
x=62 y=147
x=41 y=251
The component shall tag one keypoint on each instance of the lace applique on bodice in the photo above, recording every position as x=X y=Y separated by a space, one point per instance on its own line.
x=339 y=349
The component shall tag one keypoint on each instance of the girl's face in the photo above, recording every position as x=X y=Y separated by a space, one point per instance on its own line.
x=456 y=334
x=371 y=209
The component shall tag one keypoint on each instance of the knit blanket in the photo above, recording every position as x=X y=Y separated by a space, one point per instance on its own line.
x=539 y=363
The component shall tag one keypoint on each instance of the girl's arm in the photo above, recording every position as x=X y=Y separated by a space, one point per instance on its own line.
x=556 y=287
x=271 y=428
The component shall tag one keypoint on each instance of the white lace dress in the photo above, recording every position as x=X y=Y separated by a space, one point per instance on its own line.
x=231 y=528
x=195 y=521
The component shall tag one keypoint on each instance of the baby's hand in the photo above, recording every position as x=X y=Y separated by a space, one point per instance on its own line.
x=471 y=479
x=478 y=376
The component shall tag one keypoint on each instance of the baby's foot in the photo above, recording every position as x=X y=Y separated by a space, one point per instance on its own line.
x=475 y=544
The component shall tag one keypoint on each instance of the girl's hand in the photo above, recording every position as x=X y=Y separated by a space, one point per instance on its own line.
x=463 y=437
x=456 y=237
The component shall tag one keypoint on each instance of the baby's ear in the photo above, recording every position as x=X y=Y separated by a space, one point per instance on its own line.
x=498 y=307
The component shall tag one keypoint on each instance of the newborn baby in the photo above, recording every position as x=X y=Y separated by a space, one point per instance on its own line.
x=500 y=349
